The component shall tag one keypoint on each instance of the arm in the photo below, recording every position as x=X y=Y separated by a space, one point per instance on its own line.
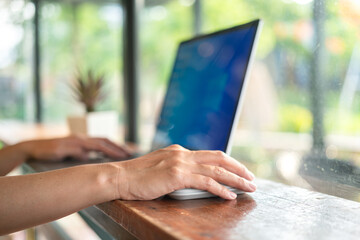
x=55 y=150
x=38 y=198
x=11 y=157
x=34 y=199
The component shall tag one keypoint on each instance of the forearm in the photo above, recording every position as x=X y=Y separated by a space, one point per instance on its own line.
x=55 y=150
x=11 y=157
x=34 y=199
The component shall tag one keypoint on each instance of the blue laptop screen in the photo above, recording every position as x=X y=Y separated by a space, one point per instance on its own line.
x=204 y=90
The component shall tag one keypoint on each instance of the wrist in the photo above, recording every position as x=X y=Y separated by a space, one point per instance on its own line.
x=23 y=149
x=110 y=180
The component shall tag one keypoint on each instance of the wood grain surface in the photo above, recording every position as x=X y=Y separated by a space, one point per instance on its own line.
x=274 y=211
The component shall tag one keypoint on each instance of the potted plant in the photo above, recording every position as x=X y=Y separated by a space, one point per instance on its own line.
x=89 y=91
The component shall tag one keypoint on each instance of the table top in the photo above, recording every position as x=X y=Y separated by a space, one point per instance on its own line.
x=274 y=211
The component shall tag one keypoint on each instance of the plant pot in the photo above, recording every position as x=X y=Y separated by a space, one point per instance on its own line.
x=95 y=124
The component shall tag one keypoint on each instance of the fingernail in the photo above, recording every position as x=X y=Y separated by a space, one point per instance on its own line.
x=232 y=195
x=252 y=186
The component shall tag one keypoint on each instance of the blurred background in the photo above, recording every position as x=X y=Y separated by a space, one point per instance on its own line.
x=300 y=124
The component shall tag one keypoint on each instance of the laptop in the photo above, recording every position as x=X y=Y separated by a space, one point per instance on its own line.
x=202 y=104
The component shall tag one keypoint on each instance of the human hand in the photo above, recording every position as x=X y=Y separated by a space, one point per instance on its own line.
x=175 y=167
x=72 y=146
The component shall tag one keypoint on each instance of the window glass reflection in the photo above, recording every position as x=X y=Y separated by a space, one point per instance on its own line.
x=15 y=60
x=300 y=122
x=79 y=36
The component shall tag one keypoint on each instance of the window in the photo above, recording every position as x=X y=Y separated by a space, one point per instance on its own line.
x=304 y=85
x=15 y=60
x=78 y=37
x=300 y=124
x=161 y=28
x=301 y=116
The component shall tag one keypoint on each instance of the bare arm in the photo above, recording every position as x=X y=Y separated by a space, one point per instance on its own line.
x=55 y=150
x=38 y=198
x=34 y=199
x=11 y=157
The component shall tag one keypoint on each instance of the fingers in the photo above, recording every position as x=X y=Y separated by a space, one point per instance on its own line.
x=208 y=184
x=210 y=168
x=99 y=144
x=113 y=145
x=221 y=175
x=219 y=158
x=77 y=152
x=96 y=145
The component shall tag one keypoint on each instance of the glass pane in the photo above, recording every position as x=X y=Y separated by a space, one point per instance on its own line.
x=300 y=120
x=163 y=24
x=16 y=60
x=307 y=64
x=79 y=37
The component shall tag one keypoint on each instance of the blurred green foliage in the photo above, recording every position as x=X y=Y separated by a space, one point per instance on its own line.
x=88 y=35
x=342 y=122
x=294 y=118
x=287 y=33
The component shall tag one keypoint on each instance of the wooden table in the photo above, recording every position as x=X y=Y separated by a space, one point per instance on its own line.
x=274 y=211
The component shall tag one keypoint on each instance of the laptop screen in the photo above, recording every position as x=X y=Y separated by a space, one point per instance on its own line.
x=204 y=90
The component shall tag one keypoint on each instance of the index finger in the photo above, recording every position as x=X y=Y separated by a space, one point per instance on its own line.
x=219 y=158
x=93 y=144
x=113 y=145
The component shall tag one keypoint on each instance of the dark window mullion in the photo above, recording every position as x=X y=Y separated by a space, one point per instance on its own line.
x=37 y=62
x=130 y=63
